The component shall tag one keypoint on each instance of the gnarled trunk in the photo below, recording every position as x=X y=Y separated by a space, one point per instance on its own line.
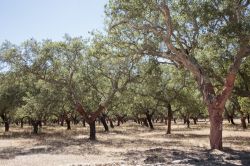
x=215 y=117
x=92 y=131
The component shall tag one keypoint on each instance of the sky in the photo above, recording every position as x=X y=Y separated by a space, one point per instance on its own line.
x=49 y=19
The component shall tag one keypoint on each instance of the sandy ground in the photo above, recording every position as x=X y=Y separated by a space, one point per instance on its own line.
x=129 y=144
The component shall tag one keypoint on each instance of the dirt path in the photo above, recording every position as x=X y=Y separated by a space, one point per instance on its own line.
x=129 y=144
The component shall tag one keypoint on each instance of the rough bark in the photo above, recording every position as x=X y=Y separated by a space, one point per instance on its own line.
x=92 y=131
x=215 y=117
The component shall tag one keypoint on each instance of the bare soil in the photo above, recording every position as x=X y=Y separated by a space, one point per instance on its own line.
x=128 y=144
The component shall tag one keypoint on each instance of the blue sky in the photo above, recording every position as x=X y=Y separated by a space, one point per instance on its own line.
x=49 y=19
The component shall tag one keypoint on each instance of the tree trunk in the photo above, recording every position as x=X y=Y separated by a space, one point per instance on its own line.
x=174 y=120
x=145 y=122
x=248 y=118
x=169 y=118
x=111 y=123
x=68 y=124
x=6 y=125
x=118 y=122
x=149 y=119
x=195 y=120
x=35 y=127
x=102 y=119
x=83 y=123
x=188 y=122
x=215 y=117
x=232 y=120
x=21 y=123
x=92 y=132
x=243 y=122
x=62 y=122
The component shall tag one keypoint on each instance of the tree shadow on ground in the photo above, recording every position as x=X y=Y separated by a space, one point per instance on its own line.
x=193 y=156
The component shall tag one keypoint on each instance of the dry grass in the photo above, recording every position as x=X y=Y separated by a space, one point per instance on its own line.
x=129 y=144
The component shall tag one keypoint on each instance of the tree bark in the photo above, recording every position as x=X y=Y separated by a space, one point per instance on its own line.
x=215 y=117
x=195 y=120
x=243 y=122
x=111 y=123
x=104 y=123
x=83 y=123
x=68 y=124
x=6 y=125
x=188 y=122
x=149 y=119
x=92 y=132
x=169 y=118
x=35 y=126
x=21 y=123
x=145 y=122
x=248 y=118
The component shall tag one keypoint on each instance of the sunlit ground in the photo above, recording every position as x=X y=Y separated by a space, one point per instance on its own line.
x=129 y=144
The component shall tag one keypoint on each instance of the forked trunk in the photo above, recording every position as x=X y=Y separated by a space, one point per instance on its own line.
x=169 y=118
x=215 y=117
x=92 y=133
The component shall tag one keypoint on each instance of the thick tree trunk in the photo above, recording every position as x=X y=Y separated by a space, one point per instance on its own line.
x=149 y=119
x=243 y=122
x=215 y=117
x=169 y=118
x=6 y=125
x=68 y=124
x=104 y=123
x=92 y=131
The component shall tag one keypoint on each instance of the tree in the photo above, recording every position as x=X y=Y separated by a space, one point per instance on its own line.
x=181 y=31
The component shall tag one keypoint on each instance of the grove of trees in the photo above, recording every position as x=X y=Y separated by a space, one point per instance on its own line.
x=158 y=60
